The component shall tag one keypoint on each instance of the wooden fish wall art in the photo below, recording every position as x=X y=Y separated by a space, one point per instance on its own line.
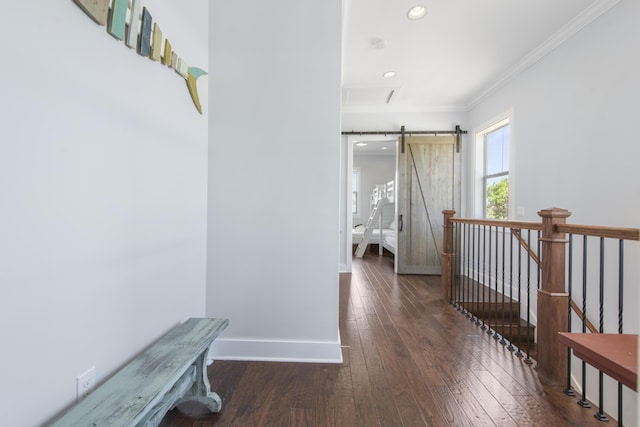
x=131 y=22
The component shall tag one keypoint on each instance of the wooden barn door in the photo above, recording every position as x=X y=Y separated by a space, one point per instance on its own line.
x=427 y=185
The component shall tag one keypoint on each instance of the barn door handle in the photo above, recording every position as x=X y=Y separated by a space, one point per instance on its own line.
x=400 y=223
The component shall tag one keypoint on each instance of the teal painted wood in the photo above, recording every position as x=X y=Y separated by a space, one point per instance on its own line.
x=118 y=20
x=171 y=370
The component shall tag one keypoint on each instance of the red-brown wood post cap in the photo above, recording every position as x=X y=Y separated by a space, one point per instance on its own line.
x=553 y=249
x=448 y=213
x=554 y=213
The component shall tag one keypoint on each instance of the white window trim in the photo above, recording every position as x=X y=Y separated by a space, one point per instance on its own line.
x=478 y=197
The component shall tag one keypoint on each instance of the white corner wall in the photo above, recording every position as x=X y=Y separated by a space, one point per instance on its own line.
x=575 y=142
x=574 y=133
x=103 y=168
x=274 y=163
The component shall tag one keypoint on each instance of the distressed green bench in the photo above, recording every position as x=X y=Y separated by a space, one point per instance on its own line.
x=171 y=371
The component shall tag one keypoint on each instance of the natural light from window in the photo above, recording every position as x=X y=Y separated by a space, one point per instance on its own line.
x=496 y=176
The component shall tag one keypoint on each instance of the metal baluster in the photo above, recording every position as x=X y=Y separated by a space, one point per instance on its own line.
x=510 y=347
x=458 y=272
x=484 y=265
x=452 y=276
x=487 y=309
x=527 y=360
x=583 y=401
x=568 y=390
x=477 y=284
x=495 y=311
x=519 y=352
x=539 y=256
x=465 y=289
x=600 y=414
x=504 y=251
x=539 y=269
x=620 y=307
x=461 y=260
x=454 y=267
x=476 y=294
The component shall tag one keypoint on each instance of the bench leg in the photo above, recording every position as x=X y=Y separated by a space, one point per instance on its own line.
x=182 y=386
x=201 y=389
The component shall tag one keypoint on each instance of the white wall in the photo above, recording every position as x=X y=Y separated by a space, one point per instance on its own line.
x=345 y=218
x=273 y=179
x=103 y=167
x=574 y=115
x=353 y=120
x=575 y=139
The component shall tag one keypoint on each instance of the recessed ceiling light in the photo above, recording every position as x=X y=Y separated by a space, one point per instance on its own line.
x=384 y=148
x=361 y=144
x=417 y=12
x=389 y=74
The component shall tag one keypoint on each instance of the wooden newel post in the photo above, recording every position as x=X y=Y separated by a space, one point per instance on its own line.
x=447 y=257
x=553 y=299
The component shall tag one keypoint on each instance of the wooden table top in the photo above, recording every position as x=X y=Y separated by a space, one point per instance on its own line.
x=614 y=354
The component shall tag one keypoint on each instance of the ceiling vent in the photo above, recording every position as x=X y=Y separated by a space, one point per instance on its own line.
x=369 y=96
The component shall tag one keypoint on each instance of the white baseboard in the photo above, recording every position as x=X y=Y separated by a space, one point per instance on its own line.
x=276 y=351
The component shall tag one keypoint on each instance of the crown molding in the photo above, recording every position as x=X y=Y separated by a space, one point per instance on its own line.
x=585 y=18
x=445 y=108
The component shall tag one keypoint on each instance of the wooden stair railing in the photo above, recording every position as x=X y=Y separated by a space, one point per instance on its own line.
x=534 y=257
x=553 y=300
x=514 y=329
x=554 y=306
x=580 y=314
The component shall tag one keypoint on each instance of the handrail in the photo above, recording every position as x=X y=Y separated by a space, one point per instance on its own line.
x=474 y=262
x=587 y=322
x=534 y=257
x=516 y=225
x=600 y=231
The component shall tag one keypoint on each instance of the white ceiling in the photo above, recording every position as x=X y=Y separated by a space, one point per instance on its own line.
x=376 y=146
x=454 y=56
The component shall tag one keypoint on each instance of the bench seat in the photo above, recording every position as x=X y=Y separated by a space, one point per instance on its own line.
x=169 y=372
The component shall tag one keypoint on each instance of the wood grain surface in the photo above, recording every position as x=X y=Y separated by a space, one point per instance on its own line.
x=410 y=359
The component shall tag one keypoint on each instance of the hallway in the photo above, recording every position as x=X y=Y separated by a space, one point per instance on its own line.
x=409 y=360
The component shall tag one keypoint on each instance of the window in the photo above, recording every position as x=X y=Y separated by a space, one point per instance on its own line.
x=496 y=172
x=355 y=188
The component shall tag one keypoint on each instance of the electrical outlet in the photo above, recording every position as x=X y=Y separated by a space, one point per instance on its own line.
x=85 y=383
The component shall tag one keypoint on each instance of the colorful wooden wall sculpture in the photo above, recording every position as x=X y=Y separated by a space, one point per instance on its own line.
x=127 y=20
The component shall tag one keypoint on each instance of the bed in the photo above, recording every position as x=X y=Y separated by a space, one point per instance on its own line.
x=384 y=232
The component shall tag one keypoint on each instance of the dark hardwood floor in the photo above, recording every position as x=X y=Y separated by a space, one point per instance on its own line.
x=409 y=360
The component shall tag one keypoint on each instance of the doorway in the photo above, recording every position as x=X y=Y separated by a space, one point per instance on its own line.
x=371 y=163
x=427 y=180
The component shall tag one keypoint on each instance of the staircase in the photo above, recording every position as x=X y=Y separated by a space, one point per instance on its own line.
x=504 y=318
x=375 y=214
